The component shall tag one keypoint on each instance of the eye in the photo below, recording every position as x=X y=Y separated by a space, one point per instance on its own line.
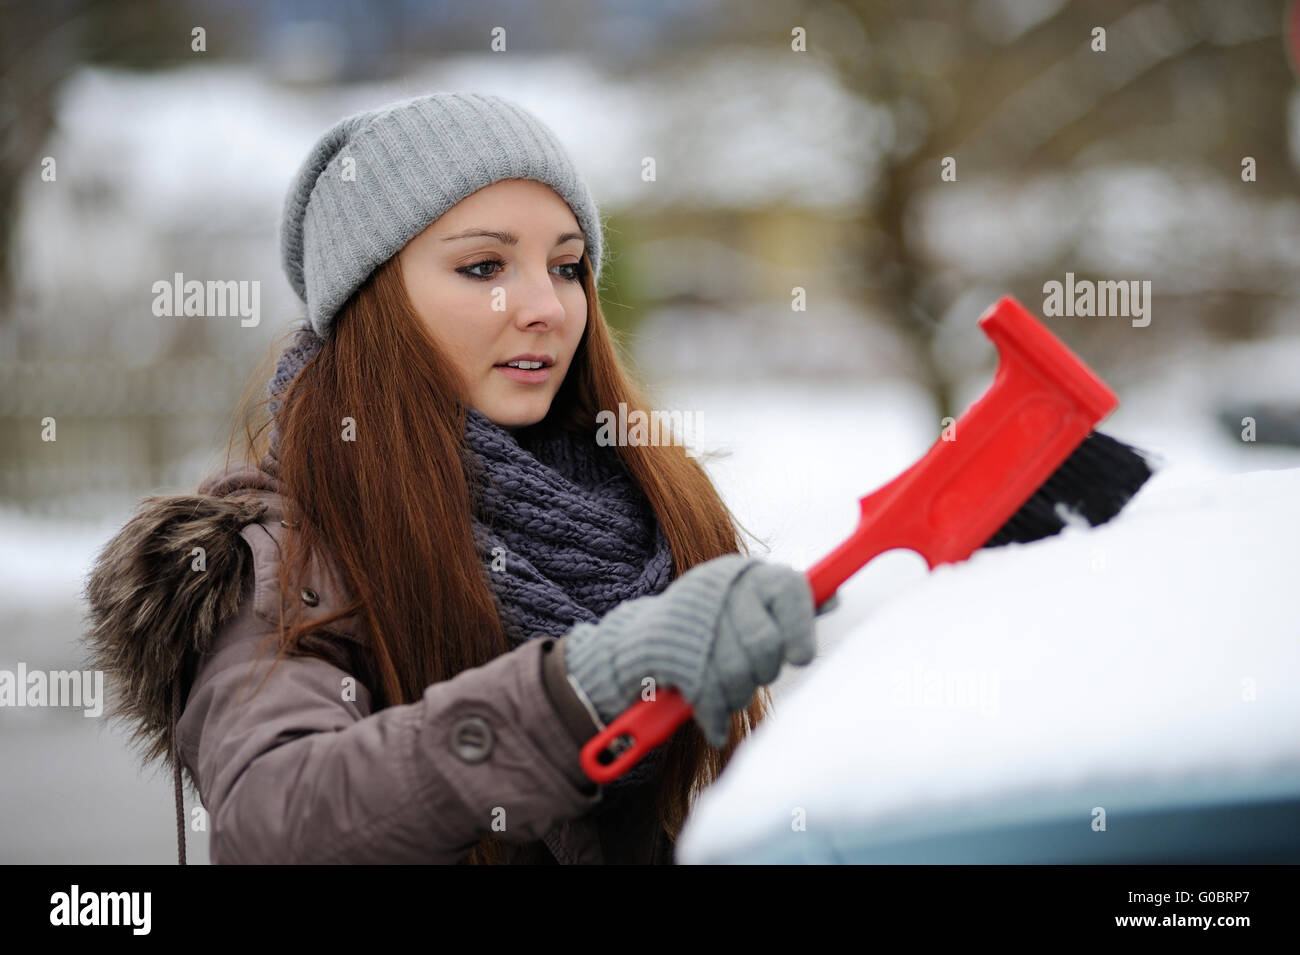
x=576 y=274
x=469 y=269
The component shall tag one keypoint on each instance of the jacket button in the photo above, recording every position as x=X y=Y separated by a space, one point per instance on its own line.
x=471 y=739
x=310 y=597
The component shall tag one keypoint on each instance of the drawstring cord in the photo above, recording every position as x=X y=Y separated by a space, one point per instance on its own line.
x=176 y=771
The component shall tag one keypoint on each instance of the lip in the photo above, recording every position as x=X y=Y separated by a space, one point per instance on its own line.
x=546 y=360
x=531 y=376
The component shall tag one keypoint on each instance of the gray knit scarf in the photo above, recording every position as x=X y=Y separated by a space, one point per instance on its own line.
x=564 y=532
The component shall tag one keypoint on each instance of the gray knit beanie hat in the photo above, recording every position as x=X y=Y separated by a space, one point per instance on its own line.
x=411 y=161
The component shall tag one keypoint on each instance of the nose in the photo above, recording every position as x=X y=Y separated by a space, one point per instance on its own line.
x=536 y=303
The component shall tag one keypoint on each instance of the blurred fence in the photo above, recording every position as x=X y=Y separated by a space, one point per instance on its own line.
x=117 y=432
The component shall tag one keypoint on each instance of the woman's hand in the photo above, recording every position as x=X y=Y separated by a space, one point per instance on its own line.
x=717 y=633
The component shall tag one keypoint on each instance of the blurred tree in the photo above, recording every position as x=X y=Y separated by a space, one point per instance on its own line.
x=41 y=44
x=1012 y=87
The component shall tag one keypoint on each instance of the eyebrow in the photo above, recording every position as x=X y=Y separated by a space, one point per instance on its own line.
x=507 y=238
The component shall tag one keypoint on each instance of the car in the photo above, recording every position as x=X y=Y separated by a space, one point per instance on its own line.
x=1126 y=693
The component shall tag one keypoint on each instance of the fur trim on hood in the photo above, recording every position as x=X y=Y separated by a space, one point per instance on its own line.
x=151 y=613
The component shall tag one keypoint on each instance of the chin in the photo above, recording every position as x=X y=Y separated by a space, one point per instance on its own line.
x=513 y=418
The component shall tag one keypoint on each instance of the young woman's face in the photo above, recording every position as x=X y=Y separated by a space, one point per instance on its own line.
x=488 y=299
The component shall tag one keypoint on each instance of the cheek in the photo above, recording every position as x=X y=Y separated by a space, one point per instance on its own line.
x=468 y=339
x=454 y=316
x=577 y=316
x=422 y=291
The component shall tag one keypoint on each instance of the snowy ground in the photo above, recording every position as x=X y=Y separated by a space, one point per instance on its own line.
x=801 y=456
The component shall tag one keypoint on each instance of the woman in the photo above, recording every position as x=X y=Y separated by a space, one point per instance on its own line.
x=385 y=635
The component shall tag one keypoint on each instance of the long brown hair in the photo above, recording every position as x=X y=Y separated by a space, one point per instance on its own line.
x=393 y=507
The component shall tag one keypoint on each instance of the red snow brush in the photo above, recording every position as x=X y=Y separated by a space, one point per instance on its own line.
x=1000 y=475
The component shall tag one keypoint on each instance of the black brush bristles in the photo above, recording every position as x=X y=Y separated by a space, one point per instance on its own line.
x=1095 y=481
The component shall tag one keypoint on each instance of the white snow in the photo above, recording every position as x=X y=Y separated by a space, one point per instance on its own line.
x=1155 y=654
x=43 y=562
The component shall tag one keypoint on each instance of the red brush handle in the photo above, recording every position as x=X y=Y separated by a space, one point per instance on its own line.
x=1042 y=404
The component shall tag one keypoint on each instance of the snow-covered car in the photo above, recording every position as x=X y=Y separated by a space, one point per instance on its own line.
x=1126 y=693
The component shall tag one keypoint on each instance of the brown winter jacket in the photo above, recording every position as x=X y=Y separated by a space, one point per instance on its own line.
x=299 y=773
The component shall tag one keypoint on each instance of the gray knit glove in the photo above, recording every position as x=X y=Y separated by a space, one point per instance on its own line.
x=717 y=633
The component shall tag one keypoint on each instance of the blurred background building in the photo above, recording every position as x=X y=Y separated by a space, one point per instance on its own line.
x=795 y=146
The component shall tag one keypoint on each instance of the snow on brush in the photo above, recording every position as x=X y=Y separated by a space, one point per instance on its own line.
x=1157 y=653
